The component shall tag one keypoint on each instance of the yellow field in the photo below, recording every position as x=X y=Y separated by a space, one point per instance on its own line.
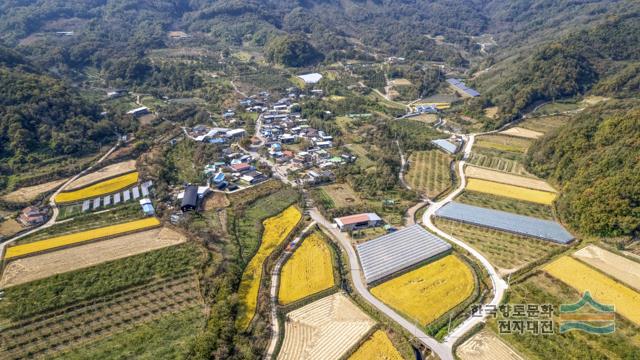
x=276 y=230
x=377 y=347
x=442 y=285
x=307 y=272
x=77 y=238
x=510 y=191
x=603 y=289
x=101 y=188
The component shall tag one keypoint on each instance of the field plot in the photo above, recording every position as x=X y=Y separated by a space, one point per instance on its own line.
x=603 y=289
x=510 y=191
x=324 y=329
x=442 y=284
x=103 y=173
x=308 y=271
x=59 y=330
x=503 y=143
x=544 y=124
x=616 y=266
x=522 y=132
x=485 y=345
x=506 y=204
x=497 y=163
x=400 y=82
x=41 y=266
x=9 y=227
x=276 y=230
x=505 y=250
x=377 y=347
x=342 y=195
x=78 y=238
x=102 y=188
x=509 y=179
x=429 y=172
x=29 y=193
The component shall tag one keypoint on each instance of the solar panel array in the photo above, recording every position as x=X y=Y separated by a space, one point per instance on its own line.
x=136 y=192
x=398 y=250
x=107 y=200
x=86 y=205
x=118 y=197
x=501 y=220
x=463 y=87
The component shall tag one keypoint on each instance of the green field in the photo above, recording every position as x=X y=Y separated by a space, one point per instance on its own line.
x=556 y=107
x=504 y=250
x=542 y=289
x=429 y=172
x=544 y=124
x=506 y=204
x=503 y=143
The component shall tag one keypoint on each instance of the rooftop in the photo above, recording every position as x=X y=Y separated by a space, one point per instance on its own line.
x=311 y=78
x=357 y=218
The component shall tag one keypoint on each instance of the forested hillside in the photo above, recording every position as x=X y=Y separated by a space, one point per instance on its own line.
x=596 y=160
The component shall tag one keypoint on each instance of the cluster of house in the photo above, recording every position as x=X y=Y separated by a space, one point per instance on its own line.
x=215 y=135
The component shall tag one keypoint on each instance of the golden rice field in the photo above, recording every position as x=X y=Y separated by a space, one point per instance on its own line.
x=442 y=284
x=510 y=191
x=80 y=237
x=308 y=271
x=276 y=230
x=603 y=289
x=102 y=188
x=377 y=347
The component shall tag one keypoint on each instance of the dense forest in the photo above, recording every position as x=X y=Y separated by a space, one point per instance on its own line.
x=596 y=160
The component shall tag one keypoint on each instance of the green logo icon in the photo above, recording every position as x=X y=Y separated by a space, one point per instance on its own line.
x=587 y=315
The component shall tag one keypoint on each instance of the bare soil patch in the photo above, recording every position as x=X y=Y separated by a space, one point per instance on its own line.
x=523 y=133
x=400 y=82
x=104 y=173
x=30 y=193
x=342 y=195
x=510 y=179
x=216 y=200
x=9 y=227
x=491 y=112
x=48 y=264
x=486 y=346
x=616 y=266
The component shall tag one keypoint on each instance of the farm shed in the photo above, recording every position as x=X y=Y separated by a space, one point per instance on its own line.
x=398 y=250
x=446 y=145
x=358 y=221
x=139 y=111
x=312 y=78
x=504 y=221
x=190 y=199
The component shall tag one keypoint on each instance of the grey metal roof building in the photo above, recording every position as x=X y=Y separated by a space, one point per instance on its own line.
x=398 y=250
x=446 y=145
x=505 y=221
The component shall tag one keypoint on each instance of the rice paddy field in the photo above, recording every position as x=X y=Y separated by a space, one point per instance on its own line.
x=614 y=265
x=429 y=172
x=541 y=288
x=276 y=230
x=509 y=179
x=506 y=251
x=603 y=289
x=79 y=238
x=485 y=345
x=308 y=271
x=102 y=174
x=442 y=284
x=506 y=204
x=377 y=347
x=497 y=163
x=510 y=191
x=30 y=193
x=503 y=143
x=102 y=188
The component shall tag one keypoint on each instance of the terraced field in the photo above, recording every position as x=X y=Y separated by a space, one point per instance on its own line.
x=102 y=188
x=510 y=191
x=616 y=266
x=429 y=172
x=276 y=230
x=103 y=173
x=506 y=204
x=485 y=345
x=377 y=347
x=308 y=271
x=545 y=124
x=79 y=238
x=324 y=329
x=497 y=163
x=523 y=133
x=442 y=284
x=503 y=143
x=53 y=332
x=505 y=250
x=509 y=179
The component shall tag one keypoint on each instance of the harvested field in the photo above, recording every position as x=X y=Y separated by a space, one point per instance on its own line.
x=78 y=238
x=30 y=193
x=99 y=189
x=429 y=172
x=101 y=174
x=41 y=266
x=342 y=195
x=603 y=289
x=522 y=132
x=324 y=329
x=509 y=179
x=510 y=191
x=544 y=124
x=308 y=271
x=276 y=230
x=616 y=266
x=442 y=284
x=400 y=82
x=425 y=118
x=377 y=347
x=506 y=204
x=507 y=251
x=497 y=163
x=503 y=143
x=50 y=333
x=216 y=200
x=9 y=227
x=485 y=345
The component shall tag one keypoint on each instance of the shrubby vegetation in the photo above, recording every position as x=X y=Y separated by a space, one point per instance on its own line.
x=292 y=51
